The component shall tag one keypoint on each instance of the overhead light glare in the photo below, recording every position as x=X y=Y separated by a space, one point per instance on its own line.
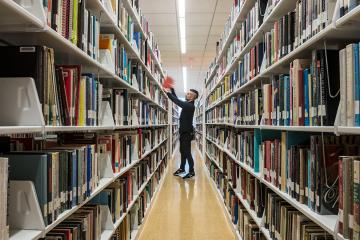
x=181 y=8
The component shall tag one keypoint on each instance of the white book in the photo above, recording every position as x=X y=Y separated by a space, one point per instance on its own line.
x=350 y=84
x=343 y=89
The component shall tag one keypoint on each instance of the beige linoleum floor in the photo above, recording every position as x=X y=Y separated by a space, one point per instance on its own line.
x=186 y=210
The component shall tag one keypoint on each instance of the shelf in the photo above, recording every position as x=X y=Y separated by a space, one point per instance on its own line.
x=138 y=25
x=327 y=222
x=244 y=10
x=252 y=213
x=351 y=19
x=20 y=129
x=327 y=129
x=102 y=185
x=68 y=53
x=131 y=204
x=348 y=130
x=211 y=75
x=226 y=212
x=333 y=33
x=214 y=161
x=24 y=234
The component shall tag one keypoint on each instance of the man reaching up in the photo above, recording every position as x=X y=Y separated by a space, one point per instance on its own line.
x=186 y=129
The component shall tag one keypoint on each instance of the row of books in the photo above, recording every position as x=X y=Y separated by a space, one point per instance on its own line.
x=349 y=85
x=281 y=221
x=63 y=175
x=304 y=97
x=245 y=109
x=347 y=5
x=289 y=32
x=70 y=97
x=129 y=110
x=81 y=26
x=306 y=167
x=234 y=12
x=145 y=26
x=72 y=20
x=66 y=170
x=88 y=221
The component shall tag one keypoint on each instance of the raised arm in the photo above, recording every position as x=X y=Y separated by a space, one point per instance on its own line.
x=177 y=101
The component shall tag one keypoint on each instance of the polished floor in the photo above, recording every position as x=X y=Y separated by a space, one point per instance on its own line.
x=186 y=210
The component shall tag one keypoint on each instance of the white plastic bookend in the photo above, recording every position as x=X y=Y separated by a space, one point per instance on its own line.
x=106 y=118
x=134 y=118
x=336 y=14
x=24 y=208
x=263 y=64
x=337 y=121
x=109 y=9
x=147 y=145
x=106 y=60
x=35 y=7
x=105 y=166
x=135 y=83
x=106 y=220
x=20 y=101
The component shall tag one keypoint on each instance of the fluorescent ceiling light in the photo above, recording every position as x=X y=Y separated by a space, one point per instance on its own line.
x=184 y=70
x=182 y=27
x=181 y=8
x=183 y=45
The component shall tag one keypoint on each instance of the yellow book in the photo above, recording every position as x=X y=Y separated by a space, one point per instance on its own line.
x=74 y=32
x=82 y=102
x=105 y=43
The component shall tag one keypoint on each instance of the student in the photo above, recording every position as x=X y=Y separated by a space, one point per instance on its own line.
x=186 y=129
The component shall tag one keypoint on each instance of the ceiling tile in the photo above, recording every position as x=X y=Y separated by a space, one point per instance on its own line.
x=220 y=19
x=200 y=6
x=197 y=30
x=158 y=6
x=164 y=31
x=162 y=19
x=224 y=6
x=198 y=19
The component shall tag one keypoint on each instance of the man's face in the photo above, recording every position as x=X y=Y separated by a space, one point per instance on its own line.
x=190 y=96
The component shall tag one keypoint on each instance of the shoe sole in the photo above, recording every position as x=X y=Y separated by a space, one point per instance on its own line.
x=186 y=178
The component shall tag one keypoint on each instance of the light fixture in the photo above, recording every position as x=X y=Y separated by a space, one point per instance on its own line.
x=182 y=23
x=181 y=8
x=184 y=71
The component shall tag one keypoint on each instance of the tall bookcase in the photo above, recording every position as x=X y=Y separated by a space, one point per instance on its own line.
x=236 y=140
x=174 y=127
x=200 y=124
x=24 y=23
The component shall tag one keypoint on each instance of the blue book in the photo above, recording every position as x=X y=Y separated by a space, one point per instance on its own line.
x=287 y=101
x=88 y=170
x=306 y=97
x=74 y=180
x=356 y=86
x=309 y=177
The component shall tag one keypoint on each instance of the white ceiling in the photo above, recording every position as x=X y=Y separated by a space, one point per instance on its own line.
x=205 y=21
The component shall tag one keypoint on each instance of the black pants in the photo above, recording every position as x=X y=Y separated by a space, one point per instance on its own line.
x=185 y=151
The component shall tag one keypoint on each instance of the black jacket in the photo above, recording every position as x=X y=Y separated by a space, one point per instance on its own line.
x=187 y=113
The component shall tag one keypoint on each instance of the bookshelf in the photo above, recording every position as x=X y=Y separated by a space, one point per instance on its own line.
x=26 y=24
x=175 y=117
x=224 y=131
x=199 y=124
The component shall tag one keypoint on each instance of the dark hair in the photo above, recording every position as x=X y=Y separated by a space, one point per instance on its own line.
x=196 y=92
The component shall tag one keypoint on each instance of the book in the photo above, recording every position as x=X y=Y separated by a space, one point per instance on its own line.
x=4 y=223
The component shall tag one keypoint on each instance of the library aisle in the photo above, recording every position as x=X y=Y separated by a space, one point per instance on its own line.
x=186 y=209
